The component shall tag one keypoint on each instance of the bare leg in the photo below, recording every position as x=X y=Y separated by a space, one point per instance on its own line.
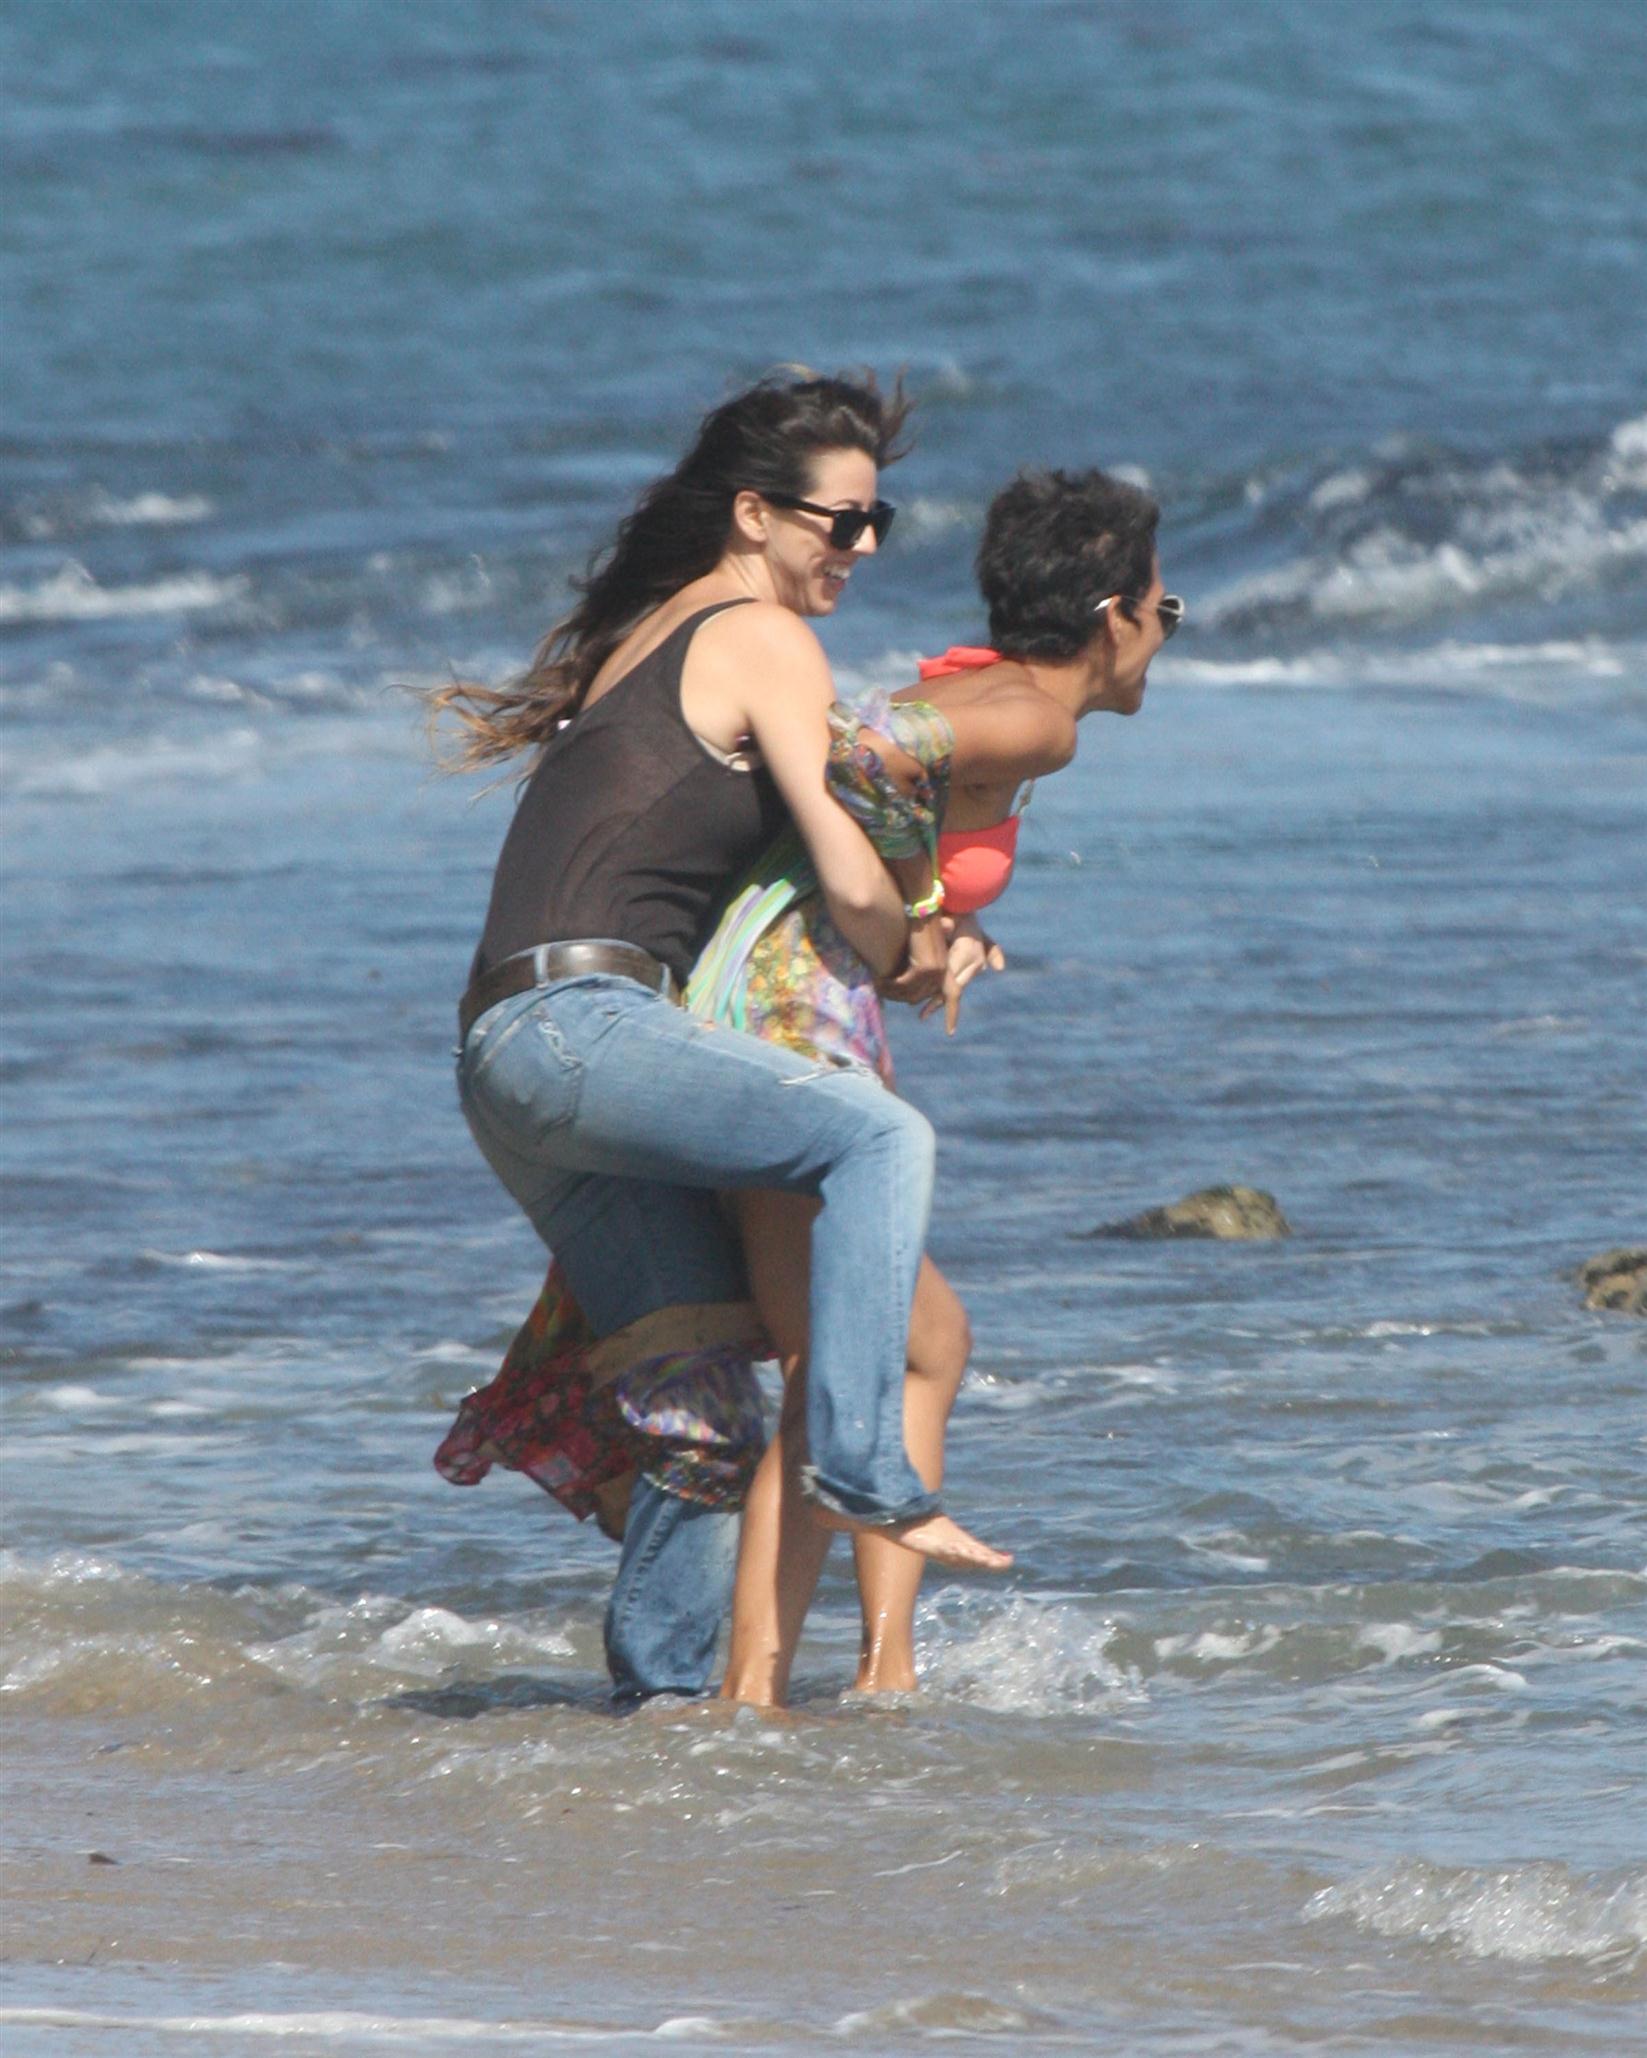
x=784 y=1542
x=889 y=1577
x=782 y=1550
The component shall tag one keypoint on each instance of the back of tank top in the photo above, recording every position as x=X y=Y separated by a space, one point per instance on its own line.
x=629 y=826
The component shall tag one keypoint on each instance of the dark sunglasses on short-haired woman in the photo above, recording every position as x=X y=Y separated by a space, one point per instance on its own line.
x=846 y=524
x=1169 y=608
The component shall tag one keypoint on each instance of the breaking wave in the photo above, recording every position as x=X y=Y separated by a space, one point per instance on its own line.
x=1412 y=534
x=1526 y=1914
x=1022 y=1656
x=71 y=594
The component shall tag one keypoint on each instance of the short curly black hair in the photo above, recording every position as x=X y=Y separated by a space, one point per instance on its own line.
x=1055 y=545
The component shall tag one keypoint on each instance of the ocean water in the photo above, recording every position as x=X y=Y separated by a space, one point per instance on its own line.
x=1310 y=1718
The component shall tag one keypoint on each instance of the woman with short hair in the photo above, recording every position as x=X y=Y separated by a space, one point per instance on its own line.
x=1069 y=573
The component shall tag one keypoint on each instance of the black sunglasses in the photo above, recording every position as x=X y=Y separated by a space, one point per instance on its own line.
x=1169 y=609
x=846 y=524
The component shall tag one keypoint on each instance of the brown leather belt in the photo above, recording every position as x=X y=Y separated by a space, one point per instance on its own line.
x=548 y=962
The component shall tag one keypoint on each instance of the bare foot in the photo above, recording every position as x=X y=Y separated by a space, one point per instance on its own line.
x=903 y=1681
x=754 y=1689
x=758 y=1704
x=945 y=1542
x=937 y=1537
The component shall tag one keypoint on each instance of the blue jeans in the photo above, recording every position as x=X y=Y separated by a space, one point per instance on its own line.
x=673 y=1588
x=614 y=1117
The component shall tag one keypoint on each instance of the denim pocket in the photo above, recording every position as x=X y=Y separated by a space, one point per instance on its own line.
x=526 y=1082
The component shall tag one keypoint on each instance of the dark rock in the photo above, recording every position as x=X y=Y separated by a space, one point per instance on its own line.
x=1616 y=1280
x=1227 y=1212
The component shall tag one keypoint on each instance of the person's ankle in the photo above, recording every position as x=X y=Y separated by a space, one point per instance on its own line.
x=756 y=1688
x=885 y=1682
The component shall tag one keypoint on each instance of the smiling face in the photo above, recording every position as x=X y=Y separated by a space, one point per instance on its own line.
x=808 y=573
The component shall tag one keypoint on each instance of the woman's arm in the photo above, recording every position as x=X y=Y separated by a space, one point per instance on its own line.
x=780 y=678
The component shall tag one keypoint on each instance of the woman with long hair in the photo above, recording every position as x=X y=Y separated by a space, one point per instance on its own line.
x=677 y=719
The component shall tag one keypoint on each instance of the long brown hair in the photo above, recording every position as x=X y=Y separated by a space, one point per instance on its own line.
x=762 y=439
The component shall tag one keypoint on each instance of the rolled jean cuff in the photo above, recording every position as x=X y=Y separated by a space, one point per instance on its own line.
x=857 y=1507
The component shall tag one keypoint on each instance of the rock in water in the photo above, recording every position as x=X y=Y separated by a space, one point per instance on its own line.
x=1229 y=1212
x=1616 y=1280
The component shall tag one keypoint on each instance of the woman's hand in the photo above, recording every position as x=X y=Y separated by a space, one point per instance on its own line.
x=923 y=975
x=970 y=952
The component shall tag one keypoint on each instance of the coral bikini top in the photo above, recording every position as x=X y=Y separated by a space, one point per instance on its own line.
x=975 y=865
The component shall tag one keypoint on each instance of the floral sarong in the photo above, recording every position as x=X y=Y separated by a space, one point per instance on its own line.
x=776 y=966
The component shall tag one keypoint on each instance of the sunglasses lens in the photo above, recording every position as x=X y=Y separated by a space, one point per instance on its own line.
x=850 y=523
x=1171 y=611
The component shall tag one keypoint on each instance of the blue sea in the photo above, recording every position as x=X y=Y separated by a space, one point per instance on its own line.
x=1310 y=1718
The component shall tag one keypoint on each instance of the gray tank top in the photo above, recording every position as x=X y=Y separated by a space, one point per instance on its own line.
x=629 y=827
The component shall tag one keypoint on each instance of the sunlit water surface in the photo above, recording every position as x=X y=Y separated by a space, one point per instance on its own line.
x=1311 y=1715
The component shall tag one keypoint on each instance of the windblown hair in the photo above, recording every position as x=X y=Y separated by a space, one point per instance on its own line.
x=1055 y=545
x=764 y=438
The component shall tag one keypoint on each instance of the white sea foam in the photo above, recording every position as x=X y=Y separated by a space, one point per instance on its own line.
x=1394 y=1641
x=71 y=1400
x=1342 y=489
x=1626 y=461
x=1237 y=1561
x=98 y=508
x=377 y=1634
x=1443 y=1718
x=1009 y=1396
x=1388 y=577
x=1220 y=1647
x=1524 y=1913
x=101 y=1630
x=218 y=1261
x=464 y=1357
x=73 y=595
x=1153 y=1378
x=921 y=519
x=157 y=510
x=937 y=2016
x=155 y=761
x=1543 y=1025
x=344 y=2028
x=70 y=1569
x=459 y=591
x=1605 y=1645
x=1019 y=1656
x=1501 y=1678
x=1452 y=662
x=1323 y=1644
x=1384 y=1329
